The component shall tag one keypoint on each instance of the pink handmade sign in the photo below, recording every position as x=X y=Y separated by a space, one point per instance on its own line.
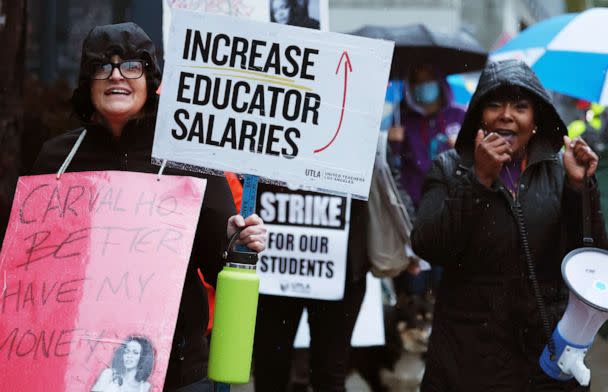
x=91 y=275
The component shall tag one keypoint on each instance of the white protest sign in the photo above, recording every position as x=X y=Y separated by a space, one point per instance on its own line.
x=250 y=9
x=323 y=14
x=286 y=103
x=305 y=254
x=369 y=328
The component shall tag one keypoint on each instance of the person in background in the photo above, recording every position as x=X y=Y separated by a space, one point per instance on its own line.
x=116 y=102
x=592 y=126
x=499 y=212
x=430 y=124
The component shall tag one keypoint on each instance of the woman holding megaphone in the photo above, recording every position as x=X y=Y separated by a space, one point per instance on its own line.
x=499 y=213
x=116 y=102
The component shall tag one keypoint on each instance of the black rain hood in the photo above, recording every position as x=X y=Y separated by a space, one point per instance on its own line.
x=551 y=128
x=127 y=40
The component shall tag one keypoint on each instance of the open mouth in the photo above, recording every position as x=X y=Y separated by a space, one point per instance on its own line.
x=505 y=132
x=117 y=91
x=508 y=135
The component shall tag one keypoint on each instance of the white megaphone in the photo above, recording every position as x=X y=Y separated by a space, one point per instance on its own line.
x=585 y=271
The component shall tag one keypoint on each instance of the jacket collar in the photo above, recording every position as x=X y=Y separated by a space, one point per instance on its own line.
x=137 y=133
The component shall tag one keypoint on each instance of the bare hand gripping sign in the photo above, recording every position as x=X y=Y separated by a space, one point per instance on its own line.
x=91 y=272
x=286 y=103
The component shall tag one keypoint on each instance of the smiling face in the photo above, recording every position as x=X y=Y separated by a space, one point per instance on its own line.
x=118 y=99
x=131 y=355
x=509 y=112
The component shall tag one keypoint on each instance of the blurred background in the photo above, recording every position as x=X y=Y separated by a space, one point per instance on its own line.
x=40 y=41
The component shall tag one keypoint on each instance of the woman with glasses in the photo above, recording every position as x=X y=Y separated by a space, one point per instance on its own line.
x=116 y=102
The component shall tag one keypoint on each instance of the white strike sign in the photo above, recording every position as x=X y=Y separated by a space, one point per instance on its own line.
x=286 y=103
x=305 y=256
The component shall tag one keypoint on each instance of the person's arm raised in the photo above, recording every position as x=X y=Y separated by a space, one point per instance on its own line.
x=578 y=157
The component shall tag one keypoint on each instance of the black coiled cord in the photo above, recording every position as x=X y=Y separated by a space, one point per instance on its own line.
x=540 y=304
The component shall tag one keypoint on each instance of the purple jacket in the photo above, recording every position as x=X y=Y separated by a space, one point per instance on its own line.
x=425 y=137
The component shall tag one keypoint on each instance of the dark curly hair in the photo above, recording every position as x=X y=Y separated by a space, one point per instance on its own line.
x=144 y=366
x=127 y=40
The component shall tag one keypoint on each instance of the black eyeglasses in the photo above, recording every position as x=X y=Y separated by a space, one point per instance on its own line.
x=129 y=69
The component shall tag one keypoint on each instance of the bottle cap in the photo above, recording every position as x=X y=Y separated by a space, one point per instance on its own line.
x=236 y=258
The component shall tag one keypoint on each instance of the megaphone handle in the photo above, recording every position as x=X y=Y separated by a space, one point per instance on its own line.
x=587 y=234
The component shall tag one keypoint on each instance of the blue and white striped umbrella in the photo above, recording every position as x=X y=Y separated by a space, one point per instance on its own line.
x=569 y=53
x=463 y=86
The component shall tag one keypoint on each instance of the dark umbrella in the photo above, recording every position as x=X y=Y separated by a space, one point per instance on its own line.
x=416 y=44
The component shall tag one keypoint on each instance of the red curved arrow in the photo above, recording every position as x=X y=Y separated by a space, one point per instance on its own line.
x=347 y=68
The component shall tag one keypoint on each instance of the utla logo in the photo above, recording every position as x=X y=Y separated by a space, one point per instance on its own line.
x=313 y=173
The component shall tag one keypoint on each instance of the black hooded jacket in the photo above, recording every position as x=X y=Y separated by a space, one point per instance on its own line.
x=128 y=41
x=487 y=333
x=132 y=152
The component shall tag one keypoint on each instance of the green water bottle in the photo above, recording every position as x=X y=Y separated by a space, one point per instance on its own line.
x=236 y=303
